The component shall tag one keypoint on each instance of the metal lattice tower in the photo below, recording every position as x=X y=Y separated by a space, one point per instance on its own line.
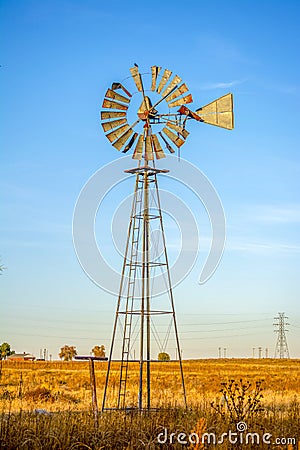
x=136 y=310
x=155 y=127
x=281 y=349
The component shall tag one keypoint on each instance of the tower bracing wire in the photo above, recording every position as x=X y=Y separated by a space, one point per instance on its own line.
x=281 y=349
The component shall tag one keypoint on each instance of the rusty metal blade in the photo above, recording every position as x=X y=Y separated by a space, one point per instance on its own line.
x=115 y=86
x=159 y=153
x=111 y=114
x=173 y=137
x=113 y=124
x=130 y=143
x=138 y=151
x=176 y=80
x=181 y=101
x=182 y=131
x=115 y=96
x=155 y=71
x=137 y=78
x=113 y=105
x=171 y=150
x=115 y=134
x=122 y=139
x=179 y=91
x=164 y=79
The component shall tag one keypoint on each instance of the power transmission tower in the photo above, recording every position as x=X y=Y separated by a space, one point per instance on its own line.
x=281 y=349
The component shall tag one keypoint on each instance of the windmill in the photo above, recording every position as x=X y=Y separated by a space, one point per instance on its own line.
x=149 y=120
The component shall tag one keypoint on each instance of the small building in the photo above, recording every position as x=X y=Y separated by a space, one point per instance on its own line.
x=21 y=357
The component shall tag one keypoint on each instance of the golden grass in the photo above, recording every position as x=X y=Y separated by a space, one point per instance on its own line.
x=63 y=390
x=68 y=383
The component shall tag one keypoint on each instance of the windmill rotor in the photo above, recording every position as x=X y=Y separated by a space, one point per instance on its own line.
x=150 y=144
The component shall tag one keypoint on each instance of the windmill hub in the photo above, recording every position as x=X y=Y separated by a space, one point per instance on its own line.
x=146 y=111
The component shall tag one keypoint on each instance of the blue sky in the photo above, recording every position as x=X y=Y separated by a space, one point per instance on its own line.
x=57 y=60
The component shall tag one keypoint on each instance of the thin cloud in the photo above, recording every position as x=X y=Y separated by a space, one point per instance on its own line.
x=283 y=88
x=221 y=84
x=270 y=214
x=261 y=248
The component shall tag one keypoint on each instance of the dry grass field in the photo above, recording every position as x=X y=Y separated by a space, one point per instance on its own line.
x=62 y=391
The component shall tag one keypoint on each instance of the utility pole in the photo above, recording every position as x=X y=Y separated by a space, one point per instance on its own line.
x=281 y=349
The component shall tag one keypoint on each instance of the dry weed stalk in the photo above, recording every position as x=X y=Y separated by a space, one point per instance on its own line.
x=239 y=401
x=199 y=430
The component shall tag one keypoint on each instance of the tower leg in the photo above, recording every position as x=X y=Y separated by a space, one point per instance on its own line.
x=171 y=294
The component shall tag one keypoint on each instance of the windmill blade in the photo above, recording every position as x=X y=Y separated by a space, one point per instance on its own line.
x=115 y=96
x=173 y=137
x=164 y=79
x=182 y=131
x=121 y=135
x=113 y=124
x=111 y=114
x=179 y=91
x=155 y=71
x=219 y=112
x=138 y=151
x=148 y=149
x=130 y=143
x=171 y=150
x=181 y=101
x=137 y=78
x=176 y=80
x=113 y=105
x=122 y=139
x=159 y=153
x=115 y=134
x=115 y=86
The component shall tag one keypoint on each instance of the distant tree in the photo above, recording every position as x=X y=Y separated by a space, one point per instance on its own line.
x=163 y=356
x=5 y=350
x=99 y=351
x=1 y=267
x=67 y=352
